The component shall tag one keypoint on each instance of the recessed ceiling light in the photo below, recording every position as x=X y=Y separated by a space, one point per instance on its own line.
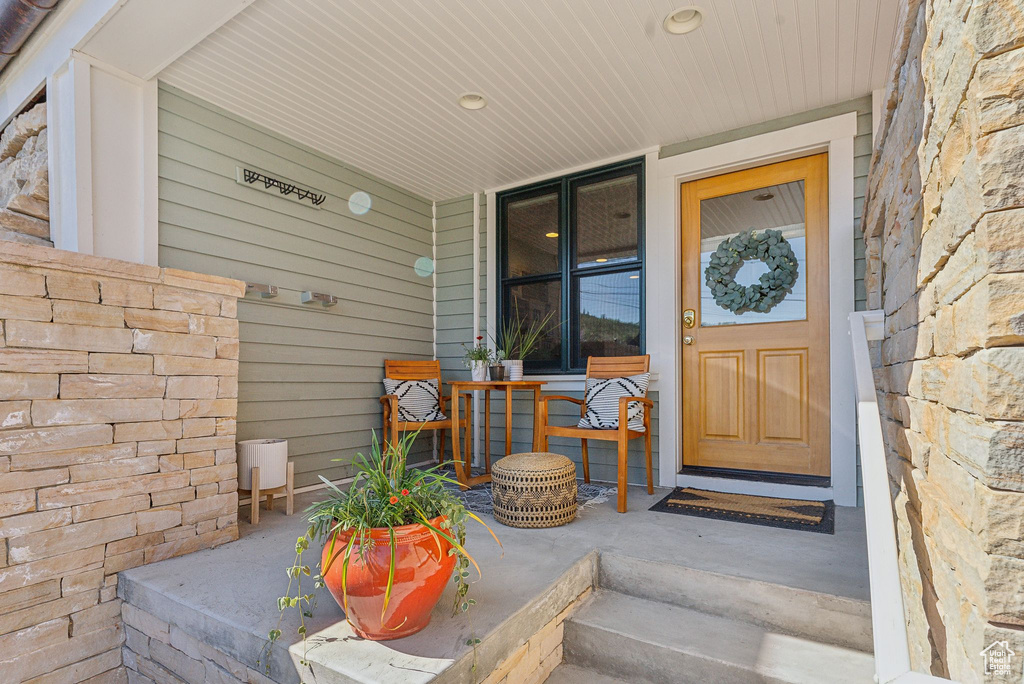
x=601 y=260
x=472 y=101
x=633 y=277
x=683 y=20
x=763 y=197
x=551 y=235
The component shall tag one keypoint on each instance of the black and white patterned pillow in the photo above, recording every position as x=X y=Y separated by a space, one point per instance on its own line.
x=602 y=399
x=418 y=400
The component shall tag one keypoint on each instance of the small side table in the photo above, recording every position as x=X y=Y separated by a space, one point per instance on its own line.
x=463 y=466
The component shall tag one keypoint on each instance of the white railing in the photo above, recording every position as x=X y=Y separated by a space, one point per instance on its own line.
x=888 y=622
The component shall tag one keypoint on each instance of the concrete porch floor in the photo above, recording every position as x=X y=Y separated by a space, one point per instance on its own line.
x=233 y=589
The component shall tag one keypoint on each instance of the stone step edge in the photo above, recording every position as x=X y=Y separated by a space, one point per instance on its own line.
x=791 y=610
x=643 y=637
x=569 y=592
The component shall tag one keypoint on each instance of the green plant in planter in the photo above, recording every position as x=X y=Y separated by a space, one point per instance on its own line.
x=506 y=342
x=518 y=337
x=384 y=494
x=480 y=352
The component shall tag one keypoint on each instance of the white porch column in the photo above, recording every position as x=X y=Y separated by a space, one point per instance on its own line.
x=99 y=60
x=103 y=175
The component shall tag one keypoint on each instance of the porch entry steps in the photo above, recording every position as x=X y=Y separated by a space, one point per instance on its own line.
x=574 y=674
x=647 y=641
x=654 y=622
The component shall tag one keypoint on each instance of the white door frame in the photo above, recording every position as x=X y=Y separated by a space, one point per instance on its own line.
x=834 y=135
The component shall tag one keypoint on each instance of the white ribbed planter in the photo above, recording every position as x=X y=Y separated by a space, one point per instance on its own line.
x=513 y=369
x=270 y=456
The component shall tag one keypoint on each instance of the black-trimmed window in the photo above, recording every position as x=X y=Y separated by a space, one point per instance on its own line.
x=574 y=246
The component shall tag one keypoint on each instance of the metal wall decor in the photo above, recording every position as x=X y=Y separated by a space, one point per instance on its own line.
x=261 y=180
x=264 y=291
x=327 y=300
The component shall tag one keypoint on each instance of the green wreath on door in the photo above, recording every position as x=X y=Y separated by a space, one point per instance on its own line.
x=772 y=287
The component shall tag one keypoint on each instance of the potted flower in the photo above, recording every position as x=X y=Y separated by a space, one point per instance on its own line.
x=390 y=545
x=477 y=359
x=518 y=339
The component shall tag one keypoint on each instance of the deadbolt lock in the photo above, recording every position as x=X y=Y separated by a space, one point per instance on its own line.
x=689 y=318
x=688 y=339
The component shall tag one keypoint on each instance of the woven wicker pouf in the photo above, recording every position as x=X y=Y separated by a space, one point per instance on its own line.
x=534 y=490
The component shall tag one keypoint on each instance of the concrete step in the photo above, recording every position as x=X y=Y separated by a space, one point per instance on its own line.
x=822 y=617
x=574 y=674
x=647 y=641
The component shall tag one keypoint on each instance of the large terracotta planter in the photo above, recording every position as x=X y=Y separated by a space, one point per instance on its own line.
x=422 y=569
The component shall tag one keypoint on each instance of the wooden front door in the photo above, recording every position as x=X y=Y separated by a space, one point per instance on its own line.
x=756 y=384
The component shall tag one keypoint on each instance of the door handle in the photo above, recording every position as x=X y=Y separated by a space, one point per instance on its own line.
x=688 y=339
x=689 y=318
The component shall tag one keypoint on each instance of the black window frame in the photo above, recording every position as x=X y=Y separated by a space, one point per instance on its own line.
x=569 y=273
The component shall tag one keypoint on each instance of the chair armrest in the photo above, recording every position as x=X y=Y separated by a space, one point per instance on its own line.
x=624 y=403
x=389 y=403
x=447 y=398
x=561 y=397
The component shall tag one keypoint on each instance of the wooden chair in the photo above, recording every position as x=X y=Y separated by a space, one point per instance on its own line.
x=607 y=367
x=422 y=370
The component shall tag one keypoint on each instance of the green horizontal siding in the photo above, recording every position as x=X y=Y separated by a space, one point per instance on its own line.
x=306 y=373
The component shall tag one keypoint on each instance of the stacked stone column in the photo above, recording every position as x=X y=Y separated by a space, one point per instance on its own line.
x=945 y=251
x=118 y=392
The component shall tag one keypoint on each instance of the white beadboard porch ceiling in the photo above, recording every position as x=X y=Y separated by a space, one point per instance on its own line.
x=374 y=83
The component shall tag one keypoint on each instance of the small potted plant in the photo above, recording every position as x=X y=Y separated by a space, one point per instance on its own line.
x=518 y=339
x=478 y=358
x=391 y=544
x=497 y=368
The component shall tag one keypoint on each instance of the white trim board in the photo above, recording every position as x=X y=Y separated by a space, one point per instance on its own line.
x=834 y=135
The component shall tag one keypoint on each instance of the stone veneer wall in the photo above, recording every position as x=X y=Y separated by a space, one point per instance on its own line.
x=534 y=661
x=944 y=227
x=24 y=184
x=118 y=387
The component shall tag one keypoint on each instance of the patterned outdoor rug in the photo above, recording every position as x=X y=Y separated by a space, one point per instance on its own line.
x=791 y=514
x=480 y=500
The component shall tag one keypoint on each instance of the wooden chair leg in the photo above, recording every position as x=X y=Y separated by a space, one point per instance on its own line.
x=623 y=467
x=468 y=399
x=586 y=461
x=289 y=505
x=387 y=433
x=650 y=466
x=542 y=426
x=254 y=507
x=394 y=432
x=440 y=450
x=270 y=500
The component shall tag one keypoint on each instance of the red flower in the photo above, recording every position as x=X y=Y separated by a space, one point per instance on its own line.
x=479 y=337
x=393 y=499
x=405 y=492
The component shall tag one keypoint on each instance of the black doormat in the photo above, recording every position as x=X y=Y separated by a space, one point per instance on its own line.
x=790 y=514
